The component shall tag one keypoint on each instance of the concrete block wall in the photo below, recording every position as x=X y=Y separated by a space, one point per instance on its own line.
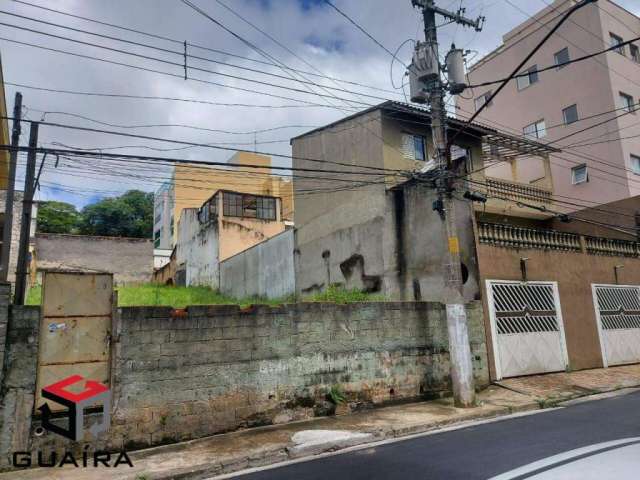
x=187 y=374
x=183 y=374
x=17 y=394
x=5 y=298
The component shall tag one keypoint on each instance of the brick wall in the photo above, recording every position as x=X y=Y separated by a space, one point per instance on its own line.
x=179 y=374
x=213 y=369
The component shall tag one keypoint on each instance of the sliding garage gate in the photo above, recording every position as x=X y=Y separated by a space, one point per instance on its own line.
x=618 y=314
x=526 y=327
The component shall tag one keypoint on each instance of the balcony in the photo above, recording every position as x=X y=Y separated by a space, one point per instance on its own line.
x=510 y=236
x=516 y=199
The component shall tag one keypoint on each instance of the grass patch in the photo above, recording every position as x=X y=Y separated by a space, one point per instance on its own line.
x=34 y=295
x=336 y=294
x=152 y=295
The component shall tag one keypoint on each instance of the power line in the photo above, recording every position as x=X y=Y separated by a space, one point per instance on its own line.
x=371 y=37
x=170 y=125
x=181 y=77
x=164 y=50
x=556 y=66
x=530 y=17
x=149 y=97
x=193 y=45
x=539 y=45
x=198 y=69
x=381 y=171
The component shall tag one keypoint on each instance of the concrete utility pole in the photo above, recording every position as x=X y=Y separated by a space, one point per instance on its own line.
x=5 y=253
x=25 y=226
x=459 y=349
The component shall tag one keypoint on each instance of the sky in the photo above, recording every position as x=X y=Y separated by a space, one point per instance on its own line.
x=316 y=39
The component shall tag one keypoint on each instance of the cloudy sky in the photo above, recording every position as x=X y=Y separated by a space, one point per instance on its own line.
x=317 y=39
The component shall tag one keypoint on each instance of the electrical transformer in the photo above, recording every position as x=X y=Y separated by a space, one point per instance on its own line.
x=455 y=71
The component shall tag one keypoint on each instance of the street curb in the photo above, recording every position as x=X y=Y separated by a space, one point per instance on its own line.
x=277 y=455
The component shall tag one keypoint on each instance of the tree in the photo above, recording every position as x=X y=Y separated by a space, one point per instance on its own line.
x=57 y=217
x=129 y=215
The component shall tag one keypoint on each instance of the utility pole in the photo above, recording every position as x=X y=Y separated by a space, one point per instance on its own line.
x=5 y=252
x=426 y=71
x=25 y=227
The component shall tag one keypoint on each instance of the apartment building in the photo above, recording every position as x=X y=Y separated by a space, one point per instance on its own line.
x=192 y=185
x=602 y=163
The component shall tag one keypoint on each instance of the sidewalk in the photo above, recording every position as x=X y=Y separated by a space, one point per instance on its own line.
x=236 y=451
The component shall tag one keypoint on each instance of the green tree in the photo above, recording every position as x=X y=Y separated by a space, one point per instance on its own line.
x=129 y=215
x=57 y=217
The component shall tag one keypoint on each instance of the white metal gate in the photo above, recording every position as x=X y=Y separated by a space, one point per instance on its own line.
x=526 y=327
x=618 y=314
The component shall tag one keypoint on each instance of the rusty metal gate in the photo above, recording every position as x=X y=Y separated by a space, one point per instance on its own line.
x=618 y=314
x=75 y=329
x=526 y=328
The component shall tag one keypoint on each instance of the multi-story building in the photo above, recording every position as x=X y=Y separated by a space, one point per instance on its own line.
x=192 y=185
x=226 y=224
x=602 y=163
x=378 y=232
x=557 y=296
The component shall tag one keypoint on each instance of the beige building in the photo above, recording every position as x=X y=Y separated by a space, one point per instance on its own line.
x=550 y=105
x=226 y=224
x=192 y=185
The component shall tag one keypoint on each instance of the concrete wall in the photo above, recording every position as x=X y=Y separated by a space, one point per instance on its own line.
x=263 y=271
x=197 y=250
x=129 y=259
x=179 y=374
x=398 y=253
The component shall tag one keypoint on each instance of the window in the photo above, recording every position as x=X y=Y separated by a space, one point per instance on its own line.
x=156 y=238
x=561 y=57
x=635 y=52
x=635 y=164
x=232 y=204
x=579 y=174
x=528 y=77
x=626 y=102
x=419 y=152
x=535 y=130
x=570 y=114
x=248 y=206
x=482 y=100
x=266 y=208
x=616 y=40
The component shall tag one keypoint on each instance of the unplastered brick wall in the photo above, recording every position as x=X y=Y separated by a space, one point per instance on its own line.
x=187 y=374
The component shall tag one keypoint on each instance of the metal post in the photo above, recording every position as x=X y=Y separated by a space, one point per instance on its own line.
x=459 y=350
x=25 y=228
x=5 y=252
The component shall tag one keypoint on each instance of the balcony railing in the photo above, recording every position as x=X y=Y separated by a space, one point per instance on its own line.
x=511 y=236
x=517 y=191
x=520 y=237
x=610 y=246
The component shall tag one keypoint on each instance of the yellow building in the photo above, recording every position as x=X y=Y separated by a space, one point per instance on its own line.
x=193 y=185
x=4 y=135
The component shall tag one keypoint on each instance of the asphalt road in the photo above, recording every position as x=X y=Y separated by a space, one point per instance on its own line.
x=487 y=450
